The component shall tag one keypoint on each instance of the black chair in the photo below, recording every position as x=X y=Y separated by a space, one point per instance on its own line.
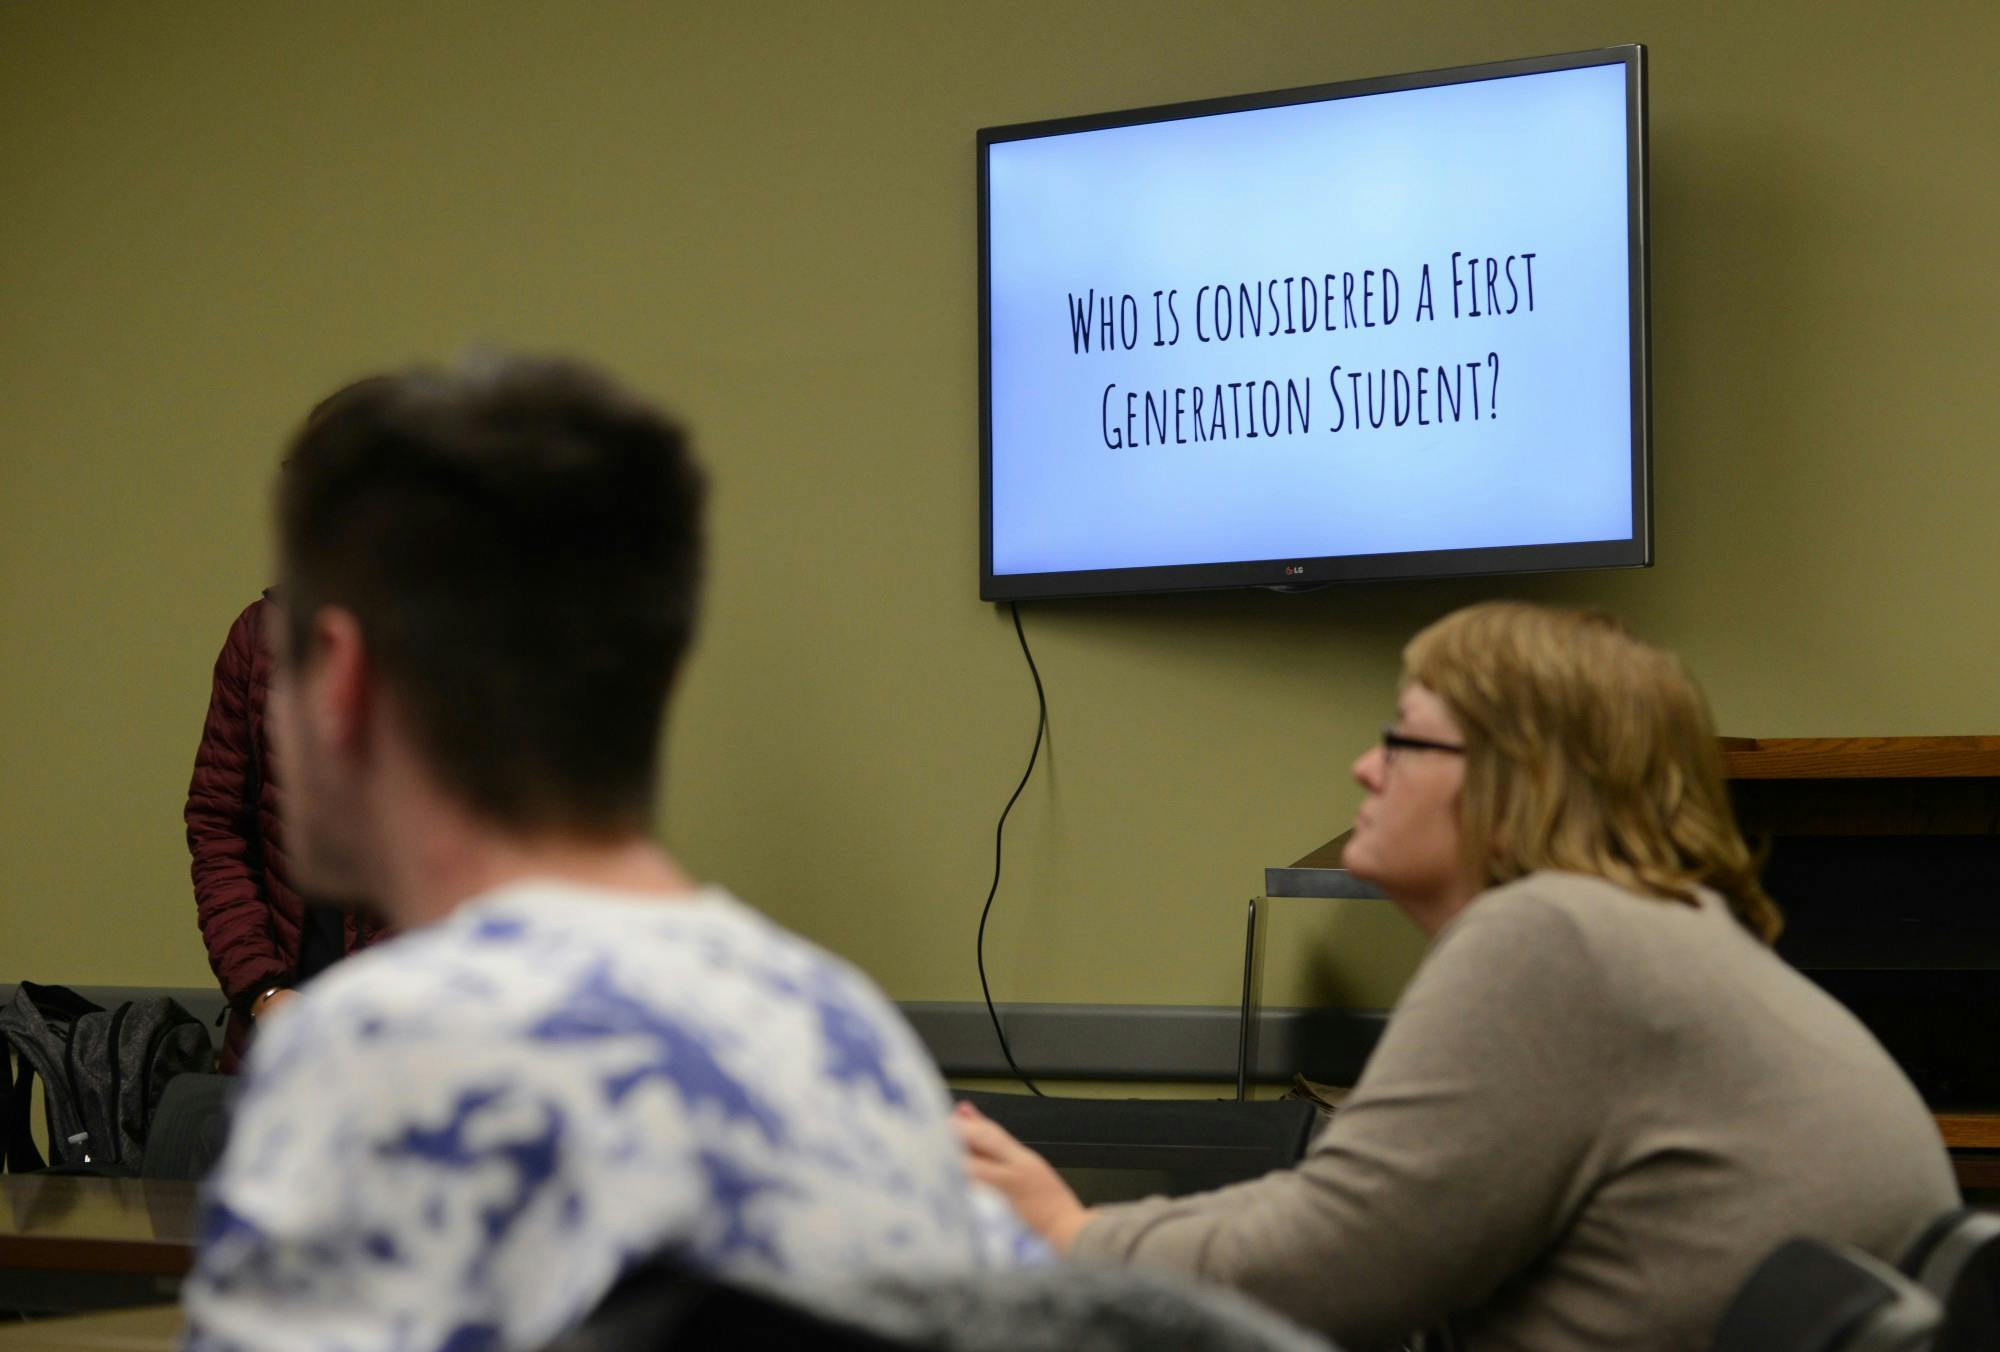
x=1113 y=1150
x=189 y=1127
x=1812 y=1296
x=1957 y=1260
x=665 y=1304
x=1060 y=1307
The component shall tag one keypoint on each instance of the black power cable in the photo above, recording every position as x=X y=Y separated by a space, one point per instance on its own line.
x=999 y=834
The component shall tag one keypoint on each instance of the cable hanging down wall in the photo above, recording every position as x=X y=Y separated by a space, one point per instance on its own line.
x=999 y=838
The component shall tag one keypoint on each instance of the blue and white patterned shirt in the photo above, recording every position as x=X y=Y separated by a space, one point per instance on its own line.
x=459 y=1140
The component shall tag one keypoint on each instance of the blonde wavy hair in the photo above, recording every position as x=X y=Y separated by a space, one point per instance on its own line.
x=1589 y=751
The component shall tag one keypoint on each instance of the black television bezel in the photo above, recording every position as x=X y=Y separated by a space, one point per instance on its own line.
x=1294 y=573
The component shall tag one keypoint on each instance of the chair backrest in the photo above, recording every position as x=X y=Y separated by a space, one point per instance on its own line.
x=1957 y=1260
x=189 y=1127
x=1116 y=1149
x=1063 y=1307
x=1057 y=1307
x=665 y=1304
x=1813 y=1296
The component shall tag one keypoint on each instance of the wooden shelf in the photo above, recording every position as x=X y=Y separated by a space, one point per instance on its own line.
x=1861 y=757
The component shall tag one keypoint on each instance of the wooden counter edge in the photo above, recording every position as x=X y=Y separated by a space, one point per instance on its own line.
x=1860 y=757
x=1969 y=1131
x=70 y=1253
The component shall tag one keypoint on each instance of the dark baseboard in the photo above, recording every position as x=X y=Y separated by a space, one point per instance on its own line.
x=1061 y=1041
x=1148 y=1042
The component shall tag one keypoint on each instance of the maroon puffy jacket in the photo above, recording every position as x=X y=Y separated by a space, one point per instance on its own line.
x=249 y=913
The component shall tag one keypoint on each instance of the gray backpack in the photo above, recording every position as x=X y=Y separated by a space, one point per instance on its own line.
x=103 y=1071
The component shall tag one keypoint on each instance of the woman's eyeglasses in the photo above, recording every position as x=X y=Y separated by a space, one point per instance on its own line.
x=1393 y=742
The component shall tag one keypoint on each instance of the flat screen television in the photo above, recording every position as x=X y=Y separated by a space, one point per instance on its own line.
x=1388 y=328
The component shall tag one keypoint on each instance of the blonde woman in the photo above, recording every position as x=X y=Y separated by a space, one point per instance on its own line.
x=1602 y=1098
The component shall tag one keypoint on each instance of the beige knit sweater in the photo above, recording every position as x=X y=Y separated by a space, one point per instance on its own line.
x=1592 y=1114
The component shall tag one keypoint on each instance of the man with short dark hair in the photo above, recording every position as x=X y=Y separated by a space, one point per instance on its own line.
x=577 y=1055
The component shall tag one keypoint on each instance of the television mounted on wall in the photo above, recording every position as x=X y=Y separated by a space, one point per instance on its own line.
x=1387 y=328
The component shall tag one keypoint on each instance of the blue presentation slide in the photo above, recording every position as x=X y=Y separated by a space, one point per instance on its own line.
x=1372 y=325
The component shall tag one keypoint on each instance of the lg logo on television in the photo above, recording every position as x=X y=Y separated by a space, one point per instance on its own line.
x=1295 y=570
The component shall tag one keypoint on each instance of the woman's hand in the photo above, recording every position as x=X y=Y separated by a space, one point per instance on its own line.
x=1033 y=1188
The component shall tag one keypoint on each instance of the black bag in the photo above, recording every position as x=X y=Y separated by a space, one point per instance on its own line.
x=103 y=1071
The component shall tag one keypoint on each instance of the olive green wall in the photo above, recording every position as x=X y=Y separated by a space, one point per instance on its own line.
x=210 y=215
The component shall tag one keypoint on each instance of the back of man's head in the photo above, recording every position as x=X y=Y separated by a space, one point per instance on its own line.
x=520 y=543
